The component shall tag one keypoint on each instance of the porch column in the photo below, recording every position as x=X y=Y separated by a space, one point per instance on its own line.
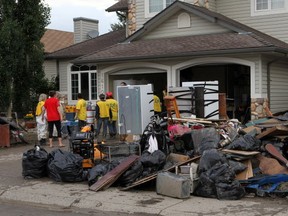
x=100 y=82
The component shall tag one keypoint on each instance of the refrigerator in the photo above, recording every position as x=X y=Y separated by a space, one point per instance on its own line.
x=135 y=108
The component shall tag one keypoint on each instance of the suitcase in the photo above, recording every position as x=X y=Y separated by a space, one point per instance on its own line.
x=173 y=185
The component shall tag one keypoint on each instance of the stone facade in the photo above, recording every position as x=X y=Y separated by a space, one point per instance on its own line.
x=131 y=20
x=259 y=108
x=202 y=3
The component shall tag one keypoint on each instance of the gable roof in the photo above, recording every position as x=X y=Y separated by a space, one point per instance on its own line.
x=204 y=13
x=89 y=46
x=244 y=40
x=54 y=40
x=121 y=5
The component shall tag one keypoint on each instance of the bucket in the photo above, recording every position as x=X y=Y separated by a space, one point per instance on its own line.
x=90 y=117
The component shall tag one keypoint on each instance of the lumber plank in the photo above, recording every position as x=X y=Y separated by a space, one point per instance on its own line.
x=273 y=131
x=240 y=152
x=153 y=176
x=109 y=178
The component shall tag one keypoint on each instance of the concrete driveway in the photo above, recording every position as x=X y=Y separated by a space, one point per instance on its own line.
x=46 y=192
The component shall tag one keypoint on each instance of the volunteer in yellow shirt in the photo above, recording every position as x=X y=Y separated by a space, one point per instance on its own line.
x=81 y=111
x=157 y=104
x=113 y=114
x=102 y=115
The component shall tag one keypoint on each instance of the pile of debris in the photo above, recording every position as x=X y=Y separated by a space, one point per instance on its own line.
x=221 y=159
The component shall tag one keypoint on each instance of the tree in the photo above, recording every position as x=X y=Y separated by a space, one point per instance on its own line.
x=22 y=25
x=122 y=22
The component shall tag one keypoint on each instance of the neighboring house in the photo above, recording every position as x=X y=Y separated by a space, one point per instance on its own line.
x=82 y=78
x=171 y=42
x=54 y=40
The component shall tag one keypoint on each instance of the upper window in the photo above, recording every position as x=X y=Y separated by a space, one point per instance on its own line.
x=152 y=7
x=266 y=7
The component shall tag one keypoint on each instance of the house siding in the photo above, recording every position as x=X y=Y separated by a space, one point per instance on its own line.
x=63 y=77
x=278 y=87
x=50 y=69
x=140 y=13
x=198 y=27
x=275 y=25
x=212 y=5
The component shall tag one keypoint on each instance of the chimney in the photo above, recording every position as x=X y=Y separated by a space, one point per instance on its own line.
x=85 y=29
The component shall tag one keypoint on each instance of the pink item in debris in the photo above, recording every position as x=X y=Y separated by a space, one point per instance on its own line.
x=177 y=130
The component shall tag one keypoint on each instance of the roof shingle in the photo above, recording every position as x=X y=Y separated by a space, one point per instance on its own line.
x=54 y=40
x=121 y=5
x=177 y=47
x=90 y=46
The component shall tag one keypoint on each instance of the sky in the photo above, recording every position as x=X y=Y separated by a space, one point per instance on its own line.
x=63 y=12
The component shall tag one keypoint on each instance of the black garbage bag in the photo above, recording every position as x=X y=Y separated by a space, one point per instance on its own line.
x=99 y=170
x=130 y=176
x=209 y=158
x=218 y=182
x=237 y=166
x=156 y=159
x=183 y=143
x=65 y=166
x=152 y=162
x=34 y=163
x=230 y=191
x=204 y=139
x=245 y=143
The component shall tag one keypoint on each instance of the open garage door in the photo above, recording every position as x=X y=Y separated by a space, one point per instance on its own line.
x=233 y=80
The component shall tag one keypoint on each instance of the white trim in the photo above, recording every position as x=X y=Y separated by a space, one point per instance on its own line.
x=69 y=72
x=176 y=68
x=147 y=13
x=109 y=70
x=269 y=11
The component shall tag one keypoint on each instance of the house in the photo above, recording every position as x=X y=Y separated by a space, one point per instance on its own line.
x=54 y=40
x=81 y=78
x=241 y=44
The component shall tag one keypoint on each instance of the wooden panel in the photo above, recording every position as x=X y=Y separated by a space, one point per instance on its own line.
x=274 y=131
x=110 y=177
x=153 y=176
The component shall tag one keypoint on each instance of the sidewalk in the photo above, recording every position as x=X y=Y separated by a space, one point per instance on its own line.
x=14 y=188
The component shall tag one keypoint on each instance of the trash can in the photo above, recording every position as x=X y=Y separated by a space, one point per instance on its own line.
x=5 y=135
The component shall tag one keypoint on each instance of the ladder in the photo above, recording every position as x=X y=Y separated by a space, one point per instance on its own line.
x=171 y=106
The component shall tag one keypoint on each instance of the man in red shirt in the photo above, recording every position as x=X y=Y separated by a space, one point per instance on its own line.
x=54 y=117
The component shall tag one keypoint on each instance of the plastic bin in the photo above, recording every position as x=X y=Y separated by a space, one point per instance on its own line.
x=70 y=116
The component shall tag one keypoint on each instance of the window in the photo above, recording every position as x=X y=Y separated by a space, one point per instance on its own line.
x=152 y=7
x=266 y=7
x=83 y=79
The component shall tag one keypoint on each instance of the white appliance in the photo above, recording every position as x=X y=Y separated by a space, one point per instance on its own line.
x=135 y=108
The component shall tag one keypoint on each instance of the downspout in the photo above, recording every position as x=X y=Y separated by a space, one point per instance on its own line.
x=269 y=74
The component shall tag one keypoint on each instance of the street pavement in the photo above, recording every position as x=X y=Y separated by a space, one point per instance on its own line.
x=137 y=201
